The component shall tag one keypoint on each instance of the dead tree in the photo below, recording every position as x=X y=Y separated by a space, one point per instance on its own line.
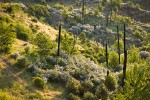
x=59 y=39
x=125 y=58
x=118 y=43
x=83 y=3
x=107 y=57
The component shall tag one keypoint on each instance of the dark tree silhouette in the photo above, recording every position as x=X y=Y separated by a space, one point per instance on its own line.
x=59 y=39
x=125 y=58
x=118 y=43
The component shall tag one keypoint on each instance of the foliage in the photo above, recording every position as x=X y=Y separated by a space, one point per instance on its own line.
x=113 y=59
x=59 y=6
x=73 y=97
x=115 y=45
x=5 y=96
x=73 y=86
x=83 y=37
x=67 y=43
x=13 y=8
x=87 y=85
x=65 y=14
x=102 y=92
x=110 y=82
x=23 y=32
x=89 y=96
x=39 y=11
x=15 y=55
x=133 y=55
x=6 y=37
x=44 y=43
x=96 y=11
x=144 y=54
x=137 y=85
x=27 y=48
x=22 y=63
x=38 y=82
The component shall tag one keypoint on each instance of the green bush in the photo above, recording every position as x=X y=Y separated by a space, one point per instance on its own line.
x=113 y=59
x=15 y=55
x=13 y=8
x=6 y=37
x=45 y=45
x=70 y=8
x=73 y=86
x=27 y=48
x=133 y=54
x=102 y=92
x=59 y=6
x=5 y=96
x=35 y=20
x=110 y=82
x=38 y=82
x=73 y=97
x=23 y=32
x=87 y=85
x=89 y=96
x=22 y=63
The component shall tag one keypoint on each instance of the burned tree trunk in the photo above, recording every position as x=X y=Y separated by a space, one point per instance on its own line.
x=125 y=57
x=107 y=58
x=118 y=43
x=83 y=3
x=58 y=52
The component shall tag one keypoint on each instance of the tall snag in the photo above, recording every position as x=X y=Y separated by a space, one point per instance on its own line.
x=59 y=37
x=83 y=3
x=106 y=54
x=118 y=43
x=125 y=57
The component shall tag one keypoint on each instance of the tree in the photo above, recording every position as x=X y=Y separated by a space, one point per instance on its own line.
x=44 y=43
x=6 y=37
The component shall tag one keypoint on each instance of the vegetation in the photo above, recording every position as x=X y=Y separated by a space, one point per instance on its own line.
x=64 y=49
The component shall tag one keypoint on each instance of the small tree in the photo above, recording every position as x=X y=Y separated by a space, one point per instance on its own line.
x=6 y=37
x=44 y=43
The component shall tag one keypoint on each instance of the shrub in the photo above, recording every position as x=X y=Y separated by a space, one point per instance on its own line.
x=59 y=6
x=65 y=14
x=113 y=59
x=44 y=43
x=23 y=32
x=102 y=92
x=89 y=96
x=35 y=20
x=54 y=75
x=38 y=82
x=73 y=86
x=144 y=54
x=110 y=82
x=133 y=54
x=118 y=68
x=27 y=48
x=70 y=8
x=14 y=8
x=73 y=97
x=96 y=11
x=6 y=37
x=5 y=96
x=87 y=85
x=15 y=55
x=38 y=11
x=22 y=63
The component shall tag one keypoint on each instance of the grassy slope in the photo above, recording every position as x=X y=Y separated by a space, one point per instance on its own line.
x=16 y=82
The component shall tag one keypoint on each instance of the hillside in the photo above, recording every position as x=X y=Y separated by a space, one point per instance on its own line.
x=74 y=50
